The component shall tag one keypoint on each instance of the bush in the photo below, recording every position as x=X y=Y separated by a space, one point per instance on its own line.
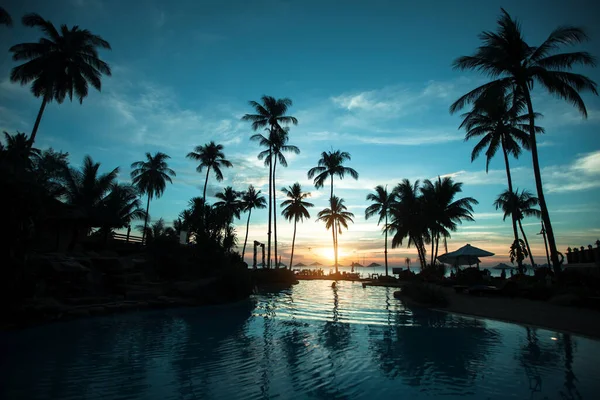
x=425 y=294
x=470 y=276
x=433 y=273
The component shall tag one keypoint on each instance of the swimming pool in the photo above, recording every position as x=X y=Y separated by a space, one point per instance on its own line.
x=308 y=342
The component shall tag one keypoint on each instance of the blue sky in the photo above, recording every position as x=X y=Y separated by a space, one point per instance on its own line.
x=372 y=78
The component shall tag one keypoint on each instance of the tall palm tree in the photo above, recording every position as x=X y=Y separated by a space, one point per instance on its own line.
x=442 y=212
x=280 y=146
x=407 y=219
x=331 y=164
x=210 y=156
x=229 y=203
x=251 y=199
x=295 y=208
x=513 y=64
x=382 y=205
x=151 y=177
x=334 y=217
x=272 y=114
x=5 y=18
x=59 y=64
x=498 y=119
x=519 y=205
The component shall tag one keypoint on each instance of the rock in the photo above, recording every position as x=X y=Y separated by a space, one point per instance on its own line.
x=69 y=266
x=192 y=289
x=97 y=310
x=567 y=299
x=108 y=264
x=108 y=253
x=78 y=312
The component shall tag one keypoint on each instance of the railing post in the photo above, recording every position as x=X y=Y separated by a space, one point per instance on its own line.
x=128 y=232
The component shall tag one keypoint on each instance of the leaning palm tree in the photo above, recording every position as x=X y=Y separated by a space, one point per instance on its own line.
x=5 y=18
x=295 y=208
x=518 y=206
x=251 y=199
x=335 y=216
x=151 y=177
x=60 y=64
x=513 y=64
x=271 y=114
x=210 y=156
x=382 y=204
x=229 y=203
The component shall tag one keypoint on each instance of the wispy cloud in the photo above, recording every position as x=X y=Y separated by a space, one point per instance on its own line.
x=581 y=174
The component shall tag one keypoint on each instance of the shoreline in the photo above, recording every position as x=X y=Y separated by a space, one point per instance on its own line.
x=539 y=314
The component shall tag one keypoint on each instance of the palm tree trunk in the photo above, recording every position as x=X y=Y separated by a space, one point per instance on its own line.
x=275 y=213
x=205 y=184
x=146 y=220
x=334 y=247
x=510 y=189
x=37 y=121
x=538 y=183
x=270 y=200
x=437 y=245
x=247 y=227
x=432 y=247
x=527 y=244
x=385 y=252
x=293 y=242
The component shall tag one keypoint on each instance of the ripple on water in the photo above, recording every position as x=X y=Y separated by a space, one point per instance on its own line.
x=309 y=342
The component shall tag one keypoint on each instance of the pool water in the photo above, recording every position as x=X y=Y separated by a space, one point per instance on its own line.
x=309 y=342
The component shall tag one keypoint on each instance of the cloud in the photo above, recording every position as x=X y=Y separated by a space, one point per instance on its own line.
x=581 y=174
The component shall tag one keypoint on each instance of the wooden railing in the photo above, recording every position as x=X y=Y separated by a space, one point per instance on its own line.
x=127 y=238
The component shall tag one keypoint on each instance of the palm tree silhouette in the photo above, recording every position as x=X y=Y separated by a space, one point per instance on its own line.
x=499 y=119
x=335 y=216
x=514 y=65
x=158 y=230
x=407 y=219
x=210 y=156
x=121 y=206
x=251 y=199
x=272 y=114
x=518 y=206
x=151 y=177
x=295 y=208
x=5 y=18
x=229 y=203
x=442 y=212
x=382 y=203
x=60 y=64
x=329 y=165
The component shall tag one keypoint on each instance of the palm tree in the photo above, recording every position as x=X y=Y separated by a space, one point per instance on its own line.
x=295 y=208
x=272 y=114
x=407 y=219
x=335 y=216
x=210 y=156
x=499 y=119
x=60 y=64
x=151 y=177
x=442 y=212
x=330 y=165
x=157 y=231
x=5 y=18
x=229 y=203
x=382 y=203
x=251 y=199
x=519 y=205
x=121 y=206
x=513 y=64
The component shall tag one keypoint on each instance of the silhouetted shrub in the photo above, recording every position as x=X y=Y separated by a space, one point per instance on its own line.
x=429 y=295
x=469 y=276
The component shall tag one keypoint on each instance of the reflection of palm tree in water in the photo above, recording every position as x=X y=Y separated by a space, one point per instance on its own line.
x=532 y=351
x=570 y=378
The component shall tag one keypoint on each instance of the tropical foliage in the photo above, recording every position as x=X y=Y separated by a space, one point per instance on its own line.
x=151 y=177
x=251 y=199
x=210 y=156
x=295 y=208
x=335 y=217
x=270 y=114
x=381 y=207
x=60 y=64
x=515 y=67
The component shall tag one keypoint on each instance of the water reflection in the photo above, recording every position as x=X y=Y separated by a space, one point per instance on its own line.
x=313 y=341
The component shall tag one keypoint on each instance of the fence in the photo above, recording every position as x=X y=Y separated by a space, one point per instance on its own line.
x=127 y=238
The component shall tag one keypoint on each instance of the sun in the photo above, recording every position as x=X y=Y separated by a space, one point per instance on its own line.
x=328 y=254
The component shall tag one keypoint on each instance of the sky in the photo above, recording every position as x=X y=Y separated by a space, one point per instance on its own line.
x=370 y=78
